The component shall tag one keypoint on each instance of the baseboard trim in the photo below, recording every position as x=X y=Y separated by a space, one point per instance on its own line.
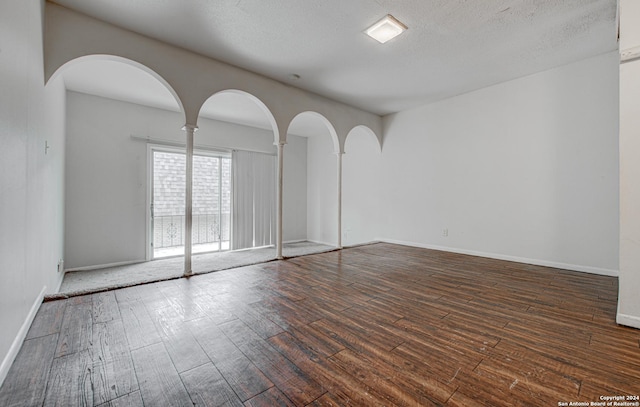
x=628 y=320
x=22 y=333
x=324 y=243
x=524 y=260
x=102 y=266
x=350 y=246
x=59 y=283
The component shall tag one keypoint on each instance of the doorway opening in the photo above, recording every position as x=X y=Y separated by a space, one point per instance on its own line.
x=211 y=229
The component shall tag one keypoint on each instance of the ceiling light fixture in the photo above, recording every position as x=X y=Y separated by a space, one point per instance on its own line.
x=386 y=29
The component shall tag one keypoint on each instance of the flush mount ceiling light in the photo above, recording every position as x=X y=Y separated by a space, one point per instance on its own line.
x=385 y=29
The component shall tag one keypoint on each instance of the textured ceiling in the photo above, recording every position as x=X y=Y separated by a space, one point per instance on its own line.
x=451 y=47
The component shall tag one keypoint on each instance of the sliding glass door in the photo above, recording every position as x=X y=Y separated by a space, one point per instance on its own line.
x=211 y=202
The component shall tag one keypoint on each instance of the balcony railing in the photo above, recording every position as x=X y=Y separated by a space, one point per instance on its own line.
x=168 y=231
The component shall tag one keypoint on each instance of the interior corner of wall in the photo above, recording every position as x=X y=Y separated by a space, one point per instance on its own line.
x=628 y=320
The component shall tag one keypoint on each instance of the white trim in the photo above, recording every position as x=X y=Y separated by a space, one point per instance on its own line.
x=628 y=320
x=102 y=266
x=180 y=144
x=148 y=250
x=226 y=151
x=348 y=246
x=295 y=241
x=22 y=333
x=252 y=248
x=324 y=243
x=60 y=280
x=629 y=54
x=339 y=203
x=525 y=260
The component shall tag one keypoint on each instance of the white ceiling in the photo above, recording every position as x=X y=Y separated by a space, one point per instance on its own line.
x=451 y=47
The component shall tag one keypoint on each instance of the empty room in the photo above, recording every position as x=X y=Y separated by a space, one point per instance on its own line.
x=287 y=203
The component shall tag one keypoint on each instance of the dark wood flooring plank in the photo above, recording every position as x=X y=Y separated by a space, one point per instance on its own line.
x=208 y=388
x=344 y=389
x=528 y=382
x=379 y=324
x=213 y=341
x=299 y=387
x=184 y=303
x=27 y=379
x=105 y=307
x=130 y=400
x=76 y=329
x=512 y=353
x=582 y=357
x=138 y=325
x=312 y=338
x=80 y=299
x=214 y=308
x=244 y=377
x=326 y=400
x=184 y=350
x=113 y=375
x=285 y=312
x=459 y=399
x=294 y=349
x=261 y=325
x=70 y=381
x=395 y=389
x=128 y=294
x=269 y=398
x=594 y=387
x=48 y=319
x=353 y=337
x=160 y=384
x=241 y=373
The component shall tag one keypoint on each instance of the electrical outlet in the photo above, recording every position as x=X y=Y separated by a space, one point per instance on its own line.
x=60 y=266
x=445 y=232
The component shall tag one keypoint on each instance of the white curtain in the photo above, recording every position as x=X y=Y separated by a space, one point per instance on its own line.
x=254 y=203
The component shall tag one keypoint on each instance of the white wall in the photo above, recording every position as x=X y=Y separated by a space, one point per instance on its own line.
x=322 y=190
x=527 y=170
x=31 y=182
x=629 y=27
x=106 y=174
x=629 y=282
x=362 y=189
x=294 y=189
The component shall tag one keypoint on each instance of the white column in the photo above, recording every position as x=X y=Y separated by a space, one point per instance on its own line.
x=629 y=144
x=188 y=200
x=279 y=202
x=339 y=154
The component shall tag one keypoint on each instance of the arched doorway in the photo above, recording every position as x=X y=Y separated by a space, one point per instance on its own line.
x=115 y=106
x=237 y=200
x=321 y=199
x=361 y=194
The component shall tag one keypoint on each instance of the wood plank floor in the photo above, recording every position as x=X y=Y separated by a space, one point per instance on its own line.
x=375 y=325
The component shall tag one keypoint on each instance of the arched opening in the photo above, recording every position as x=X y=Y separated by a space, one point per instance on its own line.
x=361 y=172
x=311 y=197
x=234 y=178
x=119 y=78
x=115 y=107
